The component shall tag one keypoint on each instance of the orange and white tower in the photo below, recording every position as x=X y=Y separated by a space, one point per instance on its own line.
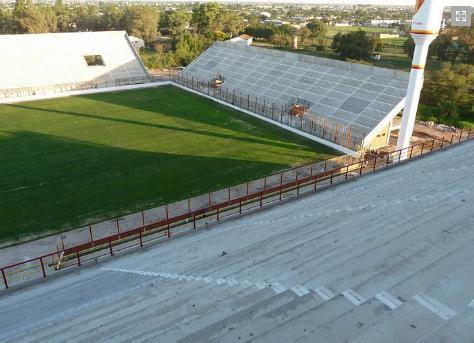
x=425 y=28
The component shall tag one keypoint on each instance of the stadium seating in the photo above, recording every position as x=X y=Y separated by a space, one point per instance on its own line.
x=40 y=64
x=333 y=267
x=352 y=95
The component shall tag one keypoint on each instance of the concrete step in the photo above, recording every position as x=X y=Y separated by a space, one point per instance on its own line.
x=342 y=328
x=166 y=313
x=199 y=318
x=269 y=320
x=409 y=323
x=158 y=294
x=230 y=323
x=460 y=329
x=298 y=326
x=426 y=312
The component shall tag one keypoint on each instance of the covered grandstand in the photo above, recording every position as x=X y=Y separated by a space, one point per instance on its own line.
x=36 y=64
x=386 y=259
x=358 y=98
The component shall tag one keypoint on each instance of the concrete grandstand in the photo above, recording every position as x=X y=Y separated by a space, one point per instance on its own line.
x=360 y=97
x=386 y=259
x=34 y=64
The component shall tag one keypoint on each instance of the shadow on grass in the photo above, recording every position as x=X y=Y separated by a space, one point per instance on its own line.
x=126 y=99
x=49 y=183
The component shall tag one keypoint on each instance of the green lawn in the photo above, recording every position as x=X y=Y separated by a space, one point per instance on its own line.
x=65 y=162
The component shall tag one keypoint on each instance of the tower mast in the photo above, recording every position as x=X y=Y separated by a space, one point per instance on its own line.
x=424 y=30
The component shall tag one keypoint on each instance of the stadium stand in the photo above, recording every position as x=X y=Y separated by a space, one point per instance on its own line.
x=360 y=97
x=386 y=259
x=67 y=61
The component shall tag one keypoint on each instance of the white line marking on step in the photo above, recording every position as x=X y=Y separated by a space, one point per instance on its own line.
x=278 y=287
x=389 y=300
x=471 y=304
x=353 y=297
x=324 y=293
x=299 y=291
x=435 y=306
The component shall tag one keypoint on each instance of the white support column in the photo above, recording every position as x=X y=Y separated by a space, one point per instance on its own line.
x=422 y=44
x=425 y=28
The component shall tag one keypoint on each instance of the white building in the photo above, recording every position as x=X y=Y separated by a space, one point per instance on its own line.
x=383 y=22
x=136 y=42
x=243 y=39
x=39 y=60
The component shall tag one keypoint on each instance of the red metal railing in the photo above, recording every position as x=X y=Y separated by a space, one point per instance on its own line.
x=146 y=232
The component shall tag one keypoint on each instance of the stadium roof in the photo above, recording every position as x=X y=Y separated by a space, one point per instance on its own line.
x=386 y=259
x=35 y=60
x=354 y=95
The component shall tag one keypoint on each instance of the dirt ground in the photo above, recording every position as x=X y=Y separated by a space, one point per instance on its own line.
x=424 y=132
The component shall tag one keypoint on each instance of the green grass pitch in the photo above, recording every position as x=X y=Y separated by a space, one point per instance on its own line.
x=66 y=162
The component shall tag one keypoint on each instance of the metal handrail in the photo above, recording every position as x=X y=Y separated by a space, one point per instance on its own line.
x=324 y=179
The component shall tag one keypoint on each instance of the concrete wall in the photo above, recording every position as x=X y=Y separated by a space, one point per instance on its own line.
x=33 y=60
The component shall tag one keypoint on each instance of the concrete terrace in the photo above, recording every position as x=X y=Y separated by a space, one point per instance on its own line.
x=388 y=258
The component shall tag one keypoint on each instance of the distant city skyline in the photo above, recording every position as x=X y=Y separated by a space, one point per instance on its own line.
x=393 y=2
x=448 y=3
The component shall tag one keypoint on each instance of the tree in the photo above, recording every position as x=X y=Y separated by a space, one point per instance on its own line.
x=142 y=22
x=205 y=17
x=28 y=18
x=6 y=18
x=317 y=28
x=353 y=45
x=112 y=17
x=304 y=34
x=451 y=89
x=189 y=47
x=232 y=24
x=260 y=31
x=280 y=40
x=86 y=18
x=178 y=21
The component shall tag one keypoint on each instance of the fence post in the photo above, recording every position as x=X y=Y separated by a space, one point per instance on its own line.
x=240 y=205
x=248 y=101
x=42 y=267
x=167 y=221
x=400 y=155
x=140 y=236
x=375 y=162
x=281 y=183
x=460 y=137
x=118 y=227
x=332 y=175
x=361 y=166
x=452 y=137
x=78 y=256
x=90 y=233
x=143 y=220
x=4 y=279
x=411 y=152
x=432 y=145
x=110 y=248
x=442 y=143
x=217 y=212
x=347 y=171
x=388 y=159
x=422 y=146
x=315 y=181
x=194 y=221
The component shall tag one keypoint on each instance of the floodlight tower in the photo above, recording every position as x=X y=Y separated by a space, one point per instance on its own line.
x=425 y=28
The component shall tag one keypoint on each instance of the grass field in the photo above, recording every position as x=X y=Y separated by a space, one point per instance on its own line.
x=65 y=162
